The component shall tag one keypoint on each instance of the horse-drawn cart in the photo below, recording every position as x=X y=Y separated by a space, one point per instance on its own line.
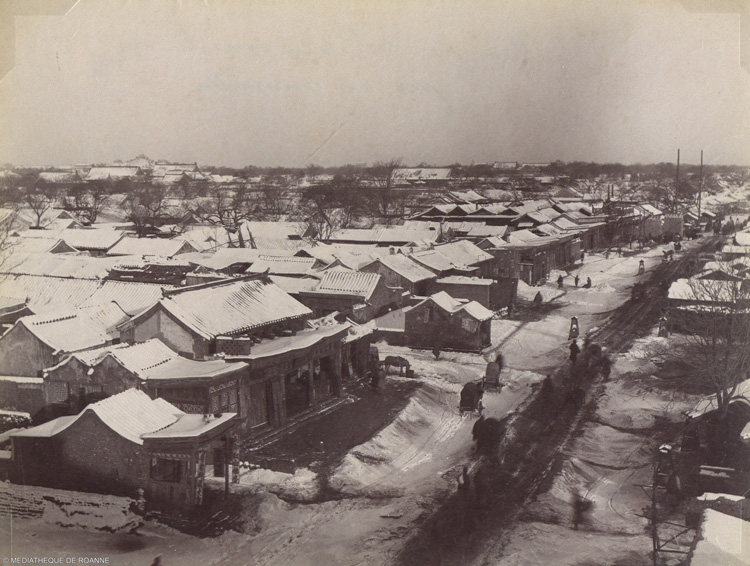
x=471 y=398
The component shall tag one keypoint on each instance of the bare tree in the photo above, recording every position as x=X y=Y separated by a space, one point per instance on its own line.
x=86 y=201
x=274 y=202
x=716 y=322
x=40 y=199
x=334 y=204
x=146 y=207
x=229 y=208
x=382 y=180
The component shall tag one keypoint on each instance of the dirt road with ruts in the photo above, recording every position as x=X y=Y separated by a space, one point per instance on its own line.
x=471 y=526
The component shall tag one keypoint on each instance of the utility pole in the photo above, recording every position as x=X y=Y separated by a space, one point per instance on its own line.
x=676 y=182
x=700 y=188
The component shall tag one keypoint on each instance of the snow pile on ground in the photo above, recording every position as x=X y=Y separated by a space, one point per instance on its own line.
x=101 y=512
x=402 y=456
x=724 y=540
x=527 y=292
x=714 y=496
x=302 y=485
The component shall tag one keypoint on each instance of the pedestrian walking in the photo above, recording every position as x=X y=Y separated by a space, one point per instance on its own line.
x=606 y=367
x=560 y=282
x=574 y=351
x=576 y=280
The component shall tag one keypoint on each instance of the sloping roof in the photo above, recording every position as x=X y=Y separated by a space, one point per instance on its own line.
x=704 y=290
x=232 y=307
x=724 y=541
x=190 y=426
x=462 y=280
x=91 y=238
x=295 y=285
x=50 y=245
x=299 y=341
x=155 y=360
x=131 y=414
x=278 y=230
x=151 y=246
x=412 y=174
x=453 y=306
x=463 y=252
x=283 y=265
x=80 y=266
x=114 y=172
x=133 y=298
x=405 y=267
x=59 y=176
x=76 y=329
x=345 y=282
x=49 y=293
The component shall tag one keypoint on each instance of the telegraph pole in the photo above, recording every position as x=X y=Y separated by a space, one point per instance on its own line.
x=700 y=188
x=676 y=182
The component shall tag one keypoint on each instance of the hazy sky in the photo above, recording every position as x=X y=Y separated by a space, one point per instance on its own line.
x=297 y=82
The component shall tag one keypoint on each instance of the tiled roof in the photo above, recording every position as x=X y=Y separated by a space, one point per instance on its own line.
x=133 y=298
x=405 y=267
x=190 y=426
x=451 y=305
x=295 y=285
x=132 y=413
x=461 y=280
x=232 y=307
x=80 y=266
x=283 y=265
x=151 y=246
x=49 y=293
x=348 y=283
x=76 y=329
x=39 y=245
x=112 y=172
x=155 y=360
x=91 y=238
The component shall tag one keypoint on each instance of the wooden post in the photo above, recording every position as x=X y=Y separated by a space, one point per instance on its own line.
x=311 y=383
x=226 y=465
x=700 y=189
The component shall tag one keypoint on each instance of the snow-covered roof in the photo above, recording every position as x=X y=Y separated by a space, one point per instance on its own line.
x=300 y=341
x=295 y=285
x=283 y=265
x=724 y=541
x=114 y=172
x=704 y=290
x=742 y=238
x=345 y=282
x=412 y=174
x=155 y=360
x=132 y=297
x=453 y=306
x=91 y=238
x=75 y=329
x=190 y=426
x=52 y=245
x=131 y=414
x=462 y=280
x=232 y=306
x=151 y=246
x=405 y=267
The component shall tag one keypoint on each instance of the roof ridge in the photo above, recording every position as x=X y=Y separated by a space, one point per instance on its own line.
x=219 y=283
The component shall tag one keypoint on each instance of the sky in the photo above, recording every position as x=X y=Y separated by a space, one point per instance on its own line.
x=291 y=83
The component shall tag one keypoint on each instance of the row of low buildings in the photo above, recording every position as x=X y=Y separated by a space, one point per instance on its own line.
x=214 y=345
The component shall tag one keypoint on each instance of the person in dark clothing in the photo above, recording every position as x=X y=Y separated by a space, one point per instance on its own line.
x=606 y=367
x=587 y=285
x=576 y=280
x=581 y=508
x=574 y=351
x=538 y=298
x=560 y=282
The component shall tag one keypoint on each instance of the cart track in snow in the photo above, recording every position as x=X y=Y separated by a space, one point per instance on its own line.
x=444 y=539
